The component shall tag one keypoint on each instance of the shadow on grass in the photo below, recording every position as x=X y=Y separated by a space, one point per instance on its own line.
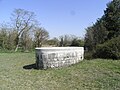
x=31 y=66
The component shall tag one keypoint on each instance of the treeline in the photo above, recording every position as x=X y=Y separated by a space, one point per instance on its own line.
x=102 y=39
x=24 y=33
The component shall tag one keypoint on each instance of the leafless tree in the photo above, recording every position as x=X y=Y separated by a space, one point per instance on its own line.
x=40 y=35
x=22 y=21
x=66 y=40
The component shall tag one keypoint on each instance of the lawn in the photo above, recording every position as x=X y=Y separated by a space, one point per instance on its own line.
x=17 y=73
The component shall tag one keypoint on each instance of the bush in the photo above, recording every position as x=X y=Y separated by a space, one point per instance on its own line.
x=88 y=55
x=109 y=49
x=77 y=42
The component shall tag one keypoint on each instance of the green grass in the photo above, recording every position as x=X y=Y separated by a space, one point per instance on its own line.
x=96 y=74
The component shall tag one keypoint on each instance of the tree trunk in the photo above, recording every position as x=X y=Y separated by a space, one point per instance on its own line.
x=16 y=48
x=17 y=43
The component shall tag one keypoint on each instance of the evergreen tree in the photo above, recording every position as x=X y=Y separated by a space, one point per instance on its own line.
x=105 y=30
x=112 y=18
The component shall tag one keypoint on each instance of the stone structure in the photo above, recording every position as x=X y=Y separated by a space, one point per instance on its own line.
x=58 y=56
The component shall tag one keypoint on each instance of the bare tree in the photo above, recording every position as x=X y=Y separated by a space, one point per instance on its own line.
x=26 y=41
x=66 y=40
x=53 y=42
x=40 y=35
x=22 y=21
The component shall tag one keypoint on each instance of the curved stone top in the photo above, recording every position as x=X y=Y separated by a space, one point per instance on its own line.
x=54 y=49
x=59 y=47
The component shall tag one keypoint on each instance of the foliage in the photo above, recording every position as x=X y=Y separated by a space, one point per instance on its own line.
x=26 y=41
x=18 y=35
x=77 y=42
x=112 y=18
x=70 y=40
x=53 y=42
x=109 y=49
x=65 y=40
x=41 y=35
x=3 y=37
x=103 y=31
x=88 y=55
x=96 y=34
x=7 y=37
x=89 y=42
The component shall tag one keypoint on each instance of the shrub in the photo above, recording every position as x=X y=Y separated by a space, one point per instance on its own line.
x=88 y=55
x=110 y=49
x=77 y=42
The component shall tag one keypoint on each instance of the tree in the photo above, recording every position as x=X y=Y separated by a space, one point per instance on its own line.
x=3 y=37
x=96 y=34
x=11 y=44
x=53 y=42
x=106 y=29
x=22 y=21
x=40 y=36
x=110 y=49
x=77 y=42
x=112 y=18
x=7 y=36
x=66 y=40
x=89 y=39
x=61 y=41
x=100 y=32
x=26 y=41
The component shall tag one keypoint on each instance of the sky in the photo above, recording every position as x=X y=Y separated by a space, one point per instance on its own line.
x=58 y=17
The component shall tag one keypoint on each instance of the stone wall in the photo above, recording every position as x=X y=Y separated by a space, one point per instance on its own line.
x=58 y=56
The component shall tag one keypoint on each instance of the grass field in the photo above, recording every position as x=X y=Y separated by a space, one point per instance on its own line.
x=87 y=75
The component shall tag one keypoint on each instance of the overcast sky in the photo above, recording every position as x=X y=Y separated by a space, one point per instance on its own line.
x=58 y=17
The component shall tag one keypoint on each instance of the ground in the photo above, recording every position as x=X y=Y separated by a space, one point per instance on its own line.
x=17 y=72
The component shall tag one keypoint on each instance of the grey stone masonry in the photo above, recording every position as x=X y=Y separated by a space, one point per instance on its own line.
x=50 y=57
